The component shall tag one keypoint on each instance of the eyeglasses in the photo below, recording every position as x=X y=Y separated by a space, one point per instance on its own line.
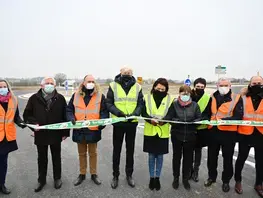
x=90 y=82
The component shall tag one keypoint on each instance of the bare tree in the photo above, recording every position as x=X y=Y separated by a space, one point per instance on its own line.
x=60 y=78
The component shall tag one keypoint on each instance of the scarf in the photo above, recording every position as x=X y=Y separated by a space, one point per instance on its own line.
x=48 y=98
x=5 y=98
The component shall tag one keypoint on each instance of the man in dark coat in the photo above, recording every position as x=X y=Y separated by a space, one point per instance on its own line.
x=87 y=138
x=47 y=106
x=124 y=98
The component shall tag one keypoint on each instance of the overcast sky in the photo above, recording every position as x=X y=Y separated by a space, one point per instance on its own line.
x=168 y=38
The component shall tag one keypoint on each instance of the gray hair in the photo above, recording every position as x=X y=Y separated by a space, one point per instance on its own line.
x=43 y=81
x=125 y=70
x=223 y=79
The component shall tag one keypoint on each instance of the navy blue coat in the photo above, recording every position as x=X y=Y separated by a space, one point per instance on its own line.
x=85 y=133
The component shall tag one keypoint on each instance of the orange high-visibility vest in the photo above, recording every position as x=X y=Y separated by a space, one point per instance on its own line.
x=89 y=112
x=7 y=125
x=225 y=110
x=251 y=115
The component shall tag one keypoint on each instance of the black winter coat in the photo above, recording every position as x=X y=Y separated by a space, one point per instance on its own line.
x=36 y=112
x=203 y=135
x=85 y=133
x=114 y=110
x=189 y=113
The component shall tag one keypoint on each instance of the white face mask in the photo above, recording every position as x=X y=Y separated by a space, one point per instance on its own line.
x=49 y=88
x=90 y=85
x=223 y=90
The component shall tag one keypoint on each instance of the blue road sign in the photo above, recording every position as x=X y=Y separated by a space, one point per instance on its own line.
x=187 y=82
x=66 y=85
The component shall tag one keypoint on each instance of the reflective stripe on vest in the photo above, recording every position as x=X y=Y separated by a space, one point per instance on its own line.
x=251 y=115
x=126 y=103
x=225 y=110
x=202 y=103
x=7 y=125
x=151 y=130
x=89 y=112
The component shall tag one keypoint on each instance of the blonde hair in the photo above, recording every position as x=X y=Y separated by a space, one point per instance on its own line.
x=8 y=86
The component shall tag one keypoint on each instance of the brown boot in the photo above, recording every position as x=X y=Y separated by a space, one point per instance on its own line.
x=259 y=190
x=238 y=188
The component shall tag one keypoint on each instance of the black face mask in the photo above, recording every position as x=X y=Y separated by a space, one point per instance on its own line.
x=256 y=89
x=159 y=94
x=199 y=92
x=126 y=78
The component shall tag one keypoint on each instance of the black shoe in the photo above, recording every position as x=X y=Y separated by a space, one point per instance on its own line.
x=4 y=190
x=114 y=182
x=95 y=179
x=39 y=187
x=130 y=181
x=57 y=183
x=157 y=184
x=209 y=182
x=225 y=187
x=259 y=190
x=79 y=180
x=195 y=176
x=186 y=185
x=176 y=183
x=152 y=183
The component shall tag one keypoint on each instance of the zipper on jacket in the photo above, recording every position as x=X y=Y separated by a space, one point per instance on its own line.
x=184 y=125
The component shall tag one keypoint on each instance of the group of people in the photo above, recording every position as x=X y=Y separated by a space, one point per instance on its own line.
x=125 y=99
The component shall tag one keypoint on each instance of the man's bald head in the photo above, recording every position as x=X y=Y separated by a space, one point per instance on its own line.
x=256 y=80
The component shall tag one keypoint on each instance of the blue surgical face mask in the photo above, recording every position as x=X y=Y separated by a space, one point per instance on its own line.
x=185 y=98
x=3 y=91
x=49 y=88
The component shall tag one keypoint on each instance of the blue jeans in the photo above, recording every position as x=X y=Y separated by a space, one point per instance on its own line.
x=155 y=161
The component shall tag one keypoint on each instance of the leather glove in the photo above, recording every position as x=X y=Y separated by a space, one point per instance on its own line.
x=154 y=122
x=22 y=124
x=101 y=127
x=73 y=121
x=161 y=123
x=121 y=114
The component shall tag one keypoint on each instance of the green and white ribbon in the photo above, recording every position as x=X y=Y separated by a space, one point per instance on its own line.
x=109 y=121
x=79 y=124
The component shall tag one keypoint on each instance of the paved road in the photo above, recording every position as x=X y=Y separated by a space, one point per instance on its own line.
x=22 y=173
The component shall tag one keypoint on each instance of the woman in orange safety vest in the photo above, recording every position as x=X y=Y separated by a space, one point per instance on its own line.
x=9 y=116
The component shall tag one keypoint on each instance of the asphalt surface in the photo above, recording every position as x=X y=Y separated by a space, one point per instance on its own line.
x=22 y=172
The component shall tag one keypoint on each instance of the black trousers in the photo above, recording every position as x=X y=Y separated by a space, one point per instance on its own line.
x=186 y=149
x=118 y=136
x=228 y=149
x=43 y=161
x=197 y=158
x=243 y=152
x=3 y=167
